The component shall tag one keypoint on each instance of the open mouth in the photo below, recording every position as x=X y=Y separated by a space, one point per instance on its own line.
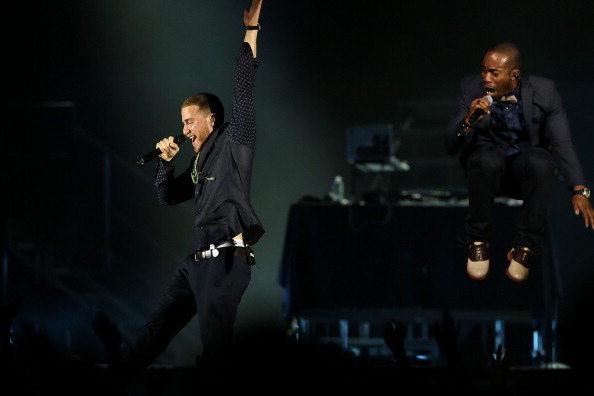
x=490 y=90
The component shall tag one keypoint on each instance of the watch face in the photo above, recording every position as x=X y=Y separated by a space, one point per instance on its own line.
x=587 y=192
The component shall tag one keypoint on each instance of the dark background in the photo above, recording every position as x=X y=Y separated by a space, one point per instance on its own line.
x=89 y=87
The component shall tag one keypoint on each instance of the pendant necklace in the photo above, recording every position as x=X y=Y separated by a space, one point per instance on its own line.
x=195 y=174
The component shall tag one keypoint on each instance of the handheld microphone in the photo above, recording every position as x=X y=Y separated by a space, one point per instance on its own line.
x=179 y=139
x=479 y=112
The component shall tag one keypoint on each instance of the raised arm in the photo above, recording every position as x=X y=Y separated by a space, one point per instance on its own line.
x=250 y=18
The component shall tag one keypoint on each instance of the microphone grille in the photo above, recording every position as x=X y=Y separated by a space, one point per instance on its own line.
x=490 y=99
x=181 y=138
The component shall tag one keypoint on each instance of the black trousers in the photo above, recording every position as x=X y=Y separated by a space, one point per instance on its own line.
x=212 y=289
x=527 y=176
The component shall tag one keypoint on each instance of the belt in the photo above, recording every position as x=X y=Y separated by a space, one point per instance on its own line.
x=235 y=248
x=219 y=251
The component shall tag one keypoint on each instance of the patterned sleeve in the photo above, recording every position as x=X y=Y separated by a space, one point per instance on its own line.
x=172 y=190
x=242 y=127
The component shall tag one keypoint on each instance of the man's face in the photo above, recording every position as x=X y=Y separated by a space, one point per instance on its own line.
x=197 y=125
x=498 y=74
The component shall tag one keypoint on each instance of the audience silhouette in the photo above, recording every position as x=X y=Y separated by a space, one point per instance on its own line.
x=32 y=365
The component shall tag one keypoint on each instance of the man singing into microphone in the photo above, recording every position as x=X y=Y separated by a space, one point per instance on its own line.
x=506 y=149
x=216 y=270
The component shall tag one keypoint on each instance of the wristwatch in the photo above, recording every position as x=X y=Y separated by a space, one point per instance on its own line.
x=585 y=192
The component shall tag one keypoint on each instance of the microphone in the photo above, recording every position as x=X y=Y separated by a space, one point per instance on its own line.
x=179 y=139
x=479 y=112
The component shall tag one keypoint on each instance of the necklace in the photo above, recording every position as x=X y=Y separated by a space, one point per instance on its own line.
x=195 y=174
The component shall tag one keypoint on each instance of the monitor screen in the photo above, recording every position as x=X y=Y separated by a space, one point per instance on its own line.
x=369 y=143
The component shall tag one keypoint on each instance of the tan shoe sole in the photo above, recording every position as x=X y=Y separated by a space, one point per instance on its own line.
x=516 y=271
x=477 y=270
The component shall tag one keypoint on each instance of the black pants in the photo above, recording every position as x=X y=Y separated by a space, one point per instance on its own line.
x=212 y=289
x=527 y=176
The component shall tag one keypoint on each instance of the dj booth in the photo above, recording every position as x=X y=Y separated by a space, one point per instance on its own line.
x=359 y=264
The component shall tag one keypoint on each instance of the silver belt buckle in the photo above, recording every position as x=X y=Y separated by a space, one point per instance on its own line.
x=206 y=254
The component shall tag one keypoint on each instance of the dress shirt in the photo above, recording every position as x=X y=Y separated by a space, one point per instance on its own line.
x=222 y=205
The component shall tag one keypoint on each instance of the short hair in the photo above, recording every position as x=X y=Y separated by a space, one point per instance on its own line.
x=511 y=50
x=207 y=103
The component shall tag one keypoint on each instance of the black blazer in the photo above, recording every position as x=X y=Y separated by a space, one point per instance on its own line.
x=545 y=117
